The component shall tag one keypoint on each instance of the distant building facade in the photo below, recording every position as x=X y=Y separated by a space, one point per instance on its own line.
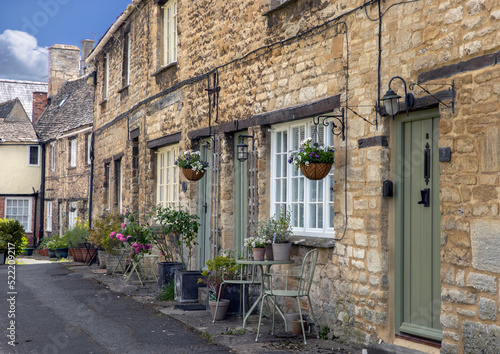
x=20 y=178
x=33 y=95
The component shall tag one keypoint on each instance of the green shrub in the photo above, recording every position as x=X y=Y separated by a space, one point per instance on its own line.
x=99 y=235
x=167 y=293
x=78 y=234
x=12 y=235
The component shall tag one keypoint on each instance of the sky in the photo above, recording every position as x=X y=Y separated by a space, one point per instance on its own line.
x=29 y=27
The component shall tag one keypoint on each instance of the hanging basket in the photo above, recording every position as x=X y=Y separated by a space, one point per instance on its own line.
x=192 y=175
x=315 y=170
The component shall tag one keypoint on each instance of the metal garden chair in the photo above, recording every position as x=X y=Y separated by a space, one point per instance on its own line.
x=295 y=284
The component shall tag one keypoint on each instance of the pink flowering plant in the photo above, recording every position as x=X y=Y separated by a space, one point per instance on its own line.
x=134 y=234
x=310 y=152
x=192 y=160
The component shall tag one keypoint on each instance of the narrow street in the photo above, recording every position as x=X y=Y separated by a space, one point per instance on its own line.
x=58 y=311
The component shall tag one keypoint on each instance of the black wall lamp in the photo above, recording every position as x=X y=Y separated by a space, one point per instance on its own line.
x=242 y=148
x=391 y=99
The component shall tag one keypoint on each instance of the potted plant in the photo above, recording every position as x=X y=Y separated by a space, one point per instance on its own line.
x=265 y=229
x=258 y=246
x=218 y=269
x=42 y=247
x=282 y=231
x=100 y=237
x=51 y=246
x=193 y=167
x=314 y=160
x=165 y=240
x=76 y=238
x=134 y=235
x=60 y=247
x=183 y=229
x=12 y=236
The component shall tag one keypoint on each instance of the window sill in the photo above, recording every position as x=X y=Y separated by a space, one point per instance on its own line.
x=164 y=68
x=72 y=168
x=103 y=102
x=317 y=242
x=274 y=7
x=123 y=88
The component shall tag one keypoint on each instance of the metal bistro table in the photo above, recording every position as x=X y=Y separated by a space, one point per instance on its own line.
x=261 y=264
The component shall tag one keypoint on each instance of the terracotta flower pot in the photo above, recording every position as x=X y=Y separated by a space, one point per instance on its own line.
x=221 y=310
x=315 y=171
x=193 y=175
x=258 y=254
x=297 y=327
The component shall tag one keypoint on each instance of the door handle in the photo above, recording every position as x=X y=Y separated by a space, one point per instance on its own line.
x=425 y=194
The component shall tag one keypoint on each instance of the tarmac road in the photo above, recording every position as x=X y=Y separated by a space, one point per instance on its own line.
x=57 y=311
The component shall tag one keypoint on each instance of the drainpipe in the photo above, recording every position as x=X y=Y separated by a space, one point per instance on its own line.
x=35 y=195
x=42 y=195
x=91 y=179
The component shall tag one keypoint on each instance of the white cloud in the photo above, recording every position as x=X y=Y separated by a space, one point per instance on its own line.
x=21 y=58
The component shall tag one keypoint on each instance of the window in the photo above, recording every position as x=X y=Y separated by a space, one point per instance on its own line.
x=310 y=202
x=170 y=32
x=88 y=148
x=33 y=155
x=118 y=184
x=48 y=227
x=107 y=189
x=105 y=78
x=19 y=209
x=52 y=156
x=72 y=215
x=72 y=155
x=126 y=60
x=167 y=182
x=60 y=217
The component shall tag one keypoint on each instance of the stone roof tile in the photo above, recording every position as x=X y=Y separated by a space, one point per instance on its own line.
x=70 y=108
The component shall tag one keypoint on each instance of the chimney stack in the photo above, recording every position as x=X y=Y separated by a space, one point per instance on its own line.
x=64 y=64
x=39 y=104
x=87 y=47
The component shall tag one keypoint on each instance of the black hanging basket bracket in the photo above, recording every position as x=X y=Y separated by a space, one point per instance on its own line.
x=337 y=123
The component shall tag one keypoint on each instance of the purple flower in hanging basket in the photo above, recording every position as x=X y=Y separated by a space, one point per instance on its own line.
x=316 y=155
x=290 y=160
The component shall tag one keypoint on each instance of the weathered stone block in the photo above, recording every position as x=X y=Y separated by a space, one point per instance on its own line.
x=484 y=243
x=482 y=282
x=449 y=321
x=461 y=297
x=487 y=309
x=478 y=338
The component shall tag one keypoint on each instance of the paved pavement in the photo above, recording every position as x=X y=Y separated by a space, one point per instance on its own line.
x=128 y=318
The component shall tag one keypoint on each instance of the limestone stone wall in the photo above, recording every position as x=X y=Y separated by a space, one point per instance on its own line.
x=66 y=184
x=423 y=41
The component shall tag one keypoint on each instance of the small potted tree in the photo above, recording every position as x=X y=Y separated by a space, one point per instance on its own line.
x=282 y=231
x=164 y=238
x=218 y=269
x=183 y=227
x=266 y=229
x=75 y=238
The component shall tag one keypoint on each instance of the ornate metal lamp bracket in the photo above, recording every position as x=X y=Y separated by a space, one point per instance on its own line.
x=411 y=86
x=338 y=123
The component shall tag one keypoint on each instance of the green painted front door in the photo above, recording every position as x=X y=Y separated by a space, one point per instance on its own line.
x=204 y=207
x=418 y=284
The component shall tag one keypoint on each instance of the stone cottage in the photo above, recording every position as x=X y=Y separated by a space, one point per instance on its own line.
x=406 y=222
x=65 y=128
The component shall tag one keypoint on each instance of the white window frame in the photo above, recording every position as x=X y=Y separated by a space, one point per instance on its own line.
x=167 y=179
x=107 y=177
x=170 y=32
x=126 y=60
x=119 y=183
x=105 y=81
x=48 y=227
x=27 y=228
x=305 y=196
x=72 y=215
x=89 y=148
x=73 y=143
x=37 y=158
x=52 y=156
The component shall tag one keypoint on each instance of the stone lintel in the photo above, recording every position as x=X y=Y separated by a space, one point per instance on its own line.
x=164 y=141
x=380 y=140
x=476 y=63
x=274 y=117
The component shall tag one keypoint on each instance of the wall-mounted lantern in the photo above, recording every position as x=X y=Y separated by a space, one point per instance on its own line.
x=391 y=99
x=242 y=148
